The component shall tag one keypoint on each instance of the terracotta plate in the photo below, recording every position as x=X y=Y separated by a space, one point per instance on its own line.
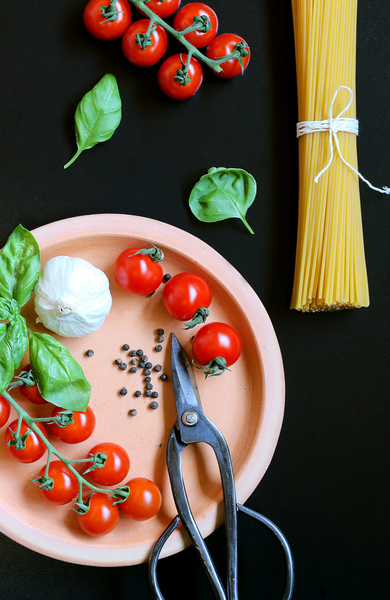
x=246 y=404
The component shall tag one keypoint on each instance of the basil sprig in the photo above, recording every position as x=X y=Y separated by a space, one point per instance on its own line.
x=97 y=115
x=59 y=377
x=223 y=194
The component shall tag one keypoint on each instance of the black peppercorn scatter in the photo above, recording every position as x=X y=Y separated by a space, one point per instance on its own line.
x=138 y=393
x=126 y=347
x=123 y=366
x=133 y=412
x=133 y=369
x=118 y=361
x=154 y=405
x=164 y=377
x=166 y=277
x=132 y=353
x=148 y=393
x=154 y=395
x=158 y=348
x=123 y=391
x=89 y=352
x=158 y=368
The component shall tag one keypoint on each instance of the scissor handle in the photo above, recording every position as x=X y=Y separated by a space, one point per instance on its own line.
x=205 y=431
x=289 y=581
x=290 y=577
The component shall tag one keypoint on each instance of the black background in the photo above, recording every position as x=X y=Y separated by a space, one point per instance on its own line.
x=328 y=484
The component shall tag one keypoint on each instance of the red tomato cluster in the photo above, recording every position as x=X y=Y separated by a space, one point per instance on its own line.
x=106 y=464
x=186 y=297
x=144 y=43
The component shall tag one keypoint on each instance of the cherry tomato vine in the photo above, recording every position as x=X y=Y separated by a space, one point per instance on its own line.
x=28 y=425
x=195 y=27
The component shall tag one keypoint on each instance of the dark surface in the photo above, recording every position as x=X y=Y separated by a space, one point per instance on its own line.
x=327 y=486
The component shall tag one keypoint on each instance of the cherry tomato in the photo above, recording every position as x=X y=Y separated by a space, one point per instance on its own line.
x=168 y=72
x=102 y=516
x=79 y=431
x=99 y=24
x=31 y=392
x=149 y=54
x=163 y=9
x=225 y=44
x=34 y=449
x=5 y=411
x=144 y=500
x=115 y=468
x=137 y=273
x=65 y=487
x=184 y=294
x=216 y=340
x=185 y=18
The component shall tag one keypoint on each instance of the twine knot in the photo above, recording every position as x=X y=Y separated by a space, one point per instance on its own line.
x=333 y=125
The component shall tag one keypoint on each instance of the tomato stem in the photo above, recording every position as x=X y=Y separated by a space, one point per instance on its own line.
x=200 y=23
x=199 y=317
x=109 y=11
x=154 y=253
x=215 y=367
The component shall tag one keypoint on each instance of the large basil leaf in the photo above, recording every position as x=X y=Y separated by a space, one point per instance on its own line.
x=223 y=194
x=18 y=339
x=59 y=377
x=97 y=115
x=19 y=266
x=6 y=360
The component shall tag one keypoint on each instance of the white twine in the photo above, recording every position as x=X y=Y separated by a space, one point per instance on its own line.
x=333 y=126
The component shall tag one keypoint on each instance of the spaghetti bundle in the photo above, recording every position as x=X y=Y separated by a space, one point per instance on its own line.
x=330 y=268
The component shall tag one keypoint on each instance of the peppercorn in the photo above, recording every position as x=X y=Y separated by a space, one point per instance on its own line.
x=154 y=405
x=148 y=379
x=158 y=368
x=134 y=361
x=118 y=361
x=133 y=412
x=149 y=386
x=144 y=358
x=123 y=366
x=164 y=377
x=133 y=369
x=147 y=371
x=126 y=347
x=148 y=365
x=140 y=352
x=160 y=332
x=89 y=353
x=137 y=394
x=160 y=339
x=167 y=277
x=141 y=364
x=132 y=353
x=123 y=391
x=158 y=348
x=148 y=393
x=154 y=395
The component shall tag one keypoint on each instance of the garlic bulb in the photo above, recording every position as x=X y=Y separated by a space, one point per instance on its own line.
x=72 y=297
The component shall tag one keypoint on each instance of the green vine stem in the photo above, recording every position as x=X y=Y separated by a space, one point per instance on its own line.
x=179 y=35
x=120 y=494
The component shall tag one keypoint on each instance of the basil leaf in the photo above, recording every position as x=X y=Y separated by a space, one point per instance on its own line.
x=19 y=266
x=97 y=115
x=17 y=338
x=223 y=194
x=60 y=378
x=6 y=360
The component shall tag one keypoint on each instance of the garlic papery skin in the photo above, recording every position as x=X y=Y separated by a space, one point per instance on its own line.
x=72 y=297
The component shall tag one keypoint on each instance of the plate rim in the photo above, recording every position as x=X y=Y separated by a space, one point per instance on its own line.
x=117 y=224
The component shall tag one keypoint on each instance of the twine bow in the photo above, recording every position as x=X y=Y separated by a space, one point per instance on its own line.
x=333 y=125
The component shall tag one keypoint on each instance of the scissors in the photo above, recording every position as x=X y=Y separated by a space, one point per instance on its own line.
x=191 y=427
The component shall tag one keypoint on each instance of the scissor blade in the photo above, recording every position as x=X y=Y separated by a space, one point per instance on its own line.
x=184 y=383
